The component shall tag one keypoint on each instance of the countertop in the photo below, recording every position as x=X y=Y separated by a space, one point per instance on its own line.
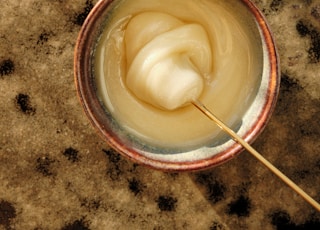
x=56 y=172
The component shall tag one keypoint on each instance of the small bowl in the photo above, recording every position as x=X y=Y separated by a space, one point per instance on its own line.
x=251 y=124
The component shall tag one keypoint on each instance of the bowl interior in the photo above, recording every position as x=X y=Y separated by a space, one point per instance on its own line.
x=248 y=121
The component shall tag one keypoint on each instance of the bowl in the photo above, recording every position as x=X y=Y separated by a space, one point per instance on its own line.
x=251 y=106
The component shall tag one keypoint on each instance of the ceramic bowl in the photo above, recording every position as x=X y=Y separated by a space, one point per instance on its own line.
x=249 y=126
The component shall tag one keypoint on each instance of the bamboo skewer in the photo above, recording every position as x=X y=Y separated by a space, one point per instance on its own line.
x=251 y=150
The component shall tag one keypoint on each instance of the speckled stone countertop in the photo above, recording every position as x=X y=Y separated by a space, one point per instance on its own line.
x=56 y=172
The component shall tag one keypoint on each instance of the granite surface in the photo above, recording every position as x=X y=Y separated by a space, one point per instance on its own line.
x=56 y=172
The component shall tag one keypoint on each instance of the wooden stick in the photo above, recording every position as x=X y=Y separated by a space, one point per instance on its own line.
x=251 y=150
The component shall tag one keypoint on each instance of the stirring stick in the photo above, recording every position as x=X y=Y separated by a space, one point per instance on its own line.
x=251 y=150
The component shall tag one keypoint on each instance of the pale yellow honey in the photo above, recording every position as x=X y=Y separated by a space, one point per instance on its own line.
x=229 y=89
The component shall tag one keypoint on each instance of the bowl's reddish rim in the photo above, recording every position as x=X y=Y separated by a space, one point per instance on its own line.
x=90 y=103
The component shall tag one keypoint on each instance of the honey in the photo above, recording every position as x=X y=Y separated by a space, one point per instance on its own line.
x=230 y=77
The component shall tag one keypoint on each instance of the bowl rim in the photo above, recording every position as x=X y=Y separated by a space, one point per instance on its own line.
x=90 y=103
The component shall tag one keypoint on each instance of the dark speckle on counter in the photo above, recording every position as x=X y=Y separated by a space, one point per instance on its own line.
x=81 y=17
x=56 y=172
x=44 y=164
x=43 y=38
x=167 y=203
x=276 y=5
x=6 y=67
x=215 y=190
x=71 y=154
x=91 y=205
x=76 y=225
x=240 y=207
x=302 y=29
x=7 y=213
x=216 y=226
x=314 y=51
x=114 y=169
x=24 y=104
x=135 y=186
x=282 y=221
